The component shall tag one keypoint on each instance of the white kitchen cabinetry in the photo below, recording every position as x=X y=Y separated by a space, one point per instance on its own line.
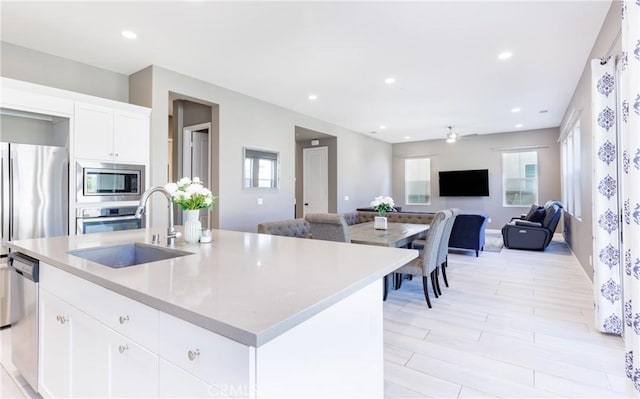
x=114 y=346
x=112 y=135
x=55 y=347
x=133 y=370
x=81 y=355
x=174 y=382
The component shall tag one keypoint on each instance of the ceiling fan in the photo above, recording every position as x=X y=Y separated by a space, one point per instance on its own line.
x=453 y=137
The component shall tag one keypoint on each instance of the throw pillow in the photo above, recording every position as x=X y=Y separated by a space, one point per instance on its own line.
x=533 y=208
x=537 y=216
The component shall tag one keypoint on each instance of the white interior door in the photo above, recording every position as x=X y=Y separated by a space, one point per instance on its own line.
x=315 y=180
x=195 y=158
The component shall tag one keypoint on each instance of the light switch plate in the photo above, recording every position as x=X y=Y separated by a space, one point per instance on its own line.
x=346 y=198
x=259 y=201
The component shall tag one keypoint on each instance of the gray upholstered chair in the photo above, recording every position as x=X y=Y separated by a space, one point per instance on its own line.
x=289 y=228
x=351 y=218
x=443 y=250
x=427 y=263
x=328 y=226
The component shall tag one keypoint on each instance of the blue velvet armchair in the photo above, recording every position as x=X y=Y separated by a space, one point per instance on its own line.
x=468 y=232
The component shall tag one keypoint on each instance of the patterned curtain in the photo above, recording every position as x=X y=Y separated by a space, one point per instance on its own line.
x=630 y=181
x=606 y=250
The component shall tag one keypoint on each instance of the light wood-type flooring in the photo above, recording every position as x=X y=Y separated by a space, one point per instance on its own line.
x=512 y=324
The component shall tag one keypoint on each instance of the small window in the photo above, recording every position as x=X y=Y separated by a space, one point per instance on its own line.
x=571 y=165
x=417 y=181
x=520 y=178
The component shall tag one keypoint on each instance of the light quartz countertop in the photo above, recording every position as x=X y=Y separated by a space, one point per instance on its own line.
x=245 y=286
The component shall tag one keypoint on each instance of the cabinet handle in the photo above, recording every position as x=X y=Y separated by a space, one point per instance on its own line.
x=123 y=319
x=123 y=348
x=193 y=354
x=61 y=319
x=116 y=154
x=111 y=154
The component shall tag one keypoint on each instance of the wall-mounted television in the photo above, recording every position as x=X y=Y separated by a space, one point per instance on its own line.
x=464 y=183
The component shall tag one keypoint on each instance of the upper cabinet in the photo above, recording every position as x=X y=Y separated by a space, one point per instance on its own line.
x=112 y=135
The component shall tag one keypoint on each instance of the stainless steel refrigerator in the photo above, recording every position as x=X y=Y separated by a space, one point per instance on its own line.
x=35 y=201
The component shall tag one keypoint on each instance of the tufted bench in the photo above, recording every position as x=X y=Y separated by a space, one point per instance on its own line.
x=289 y=228
x=397 y=217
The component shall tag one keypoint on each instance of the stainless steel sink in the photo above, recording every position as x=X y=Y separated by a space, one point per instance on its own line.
x=131 y=254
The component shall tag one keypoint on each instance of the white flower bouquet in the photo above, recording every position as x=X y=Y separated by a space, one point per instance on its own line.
x=190 y=194
x=382 y=204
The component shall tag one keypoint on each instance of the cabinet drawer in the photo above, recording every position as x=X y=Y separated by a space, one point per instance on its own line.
x=219 y=361
x=132 y=319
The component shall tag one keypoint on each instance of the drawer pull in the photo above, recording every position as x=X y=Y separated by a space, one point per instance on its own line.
x=61 y=319
x=193 y=354
x=123 y=319
x=123 y=348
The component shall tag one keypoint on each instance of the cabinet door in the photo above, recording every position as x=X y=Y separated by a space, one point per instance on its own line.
x=55 y=336
x=131 y=138
x=133 y=370
x=174 y=382
x=93 y=130
x=89 y=357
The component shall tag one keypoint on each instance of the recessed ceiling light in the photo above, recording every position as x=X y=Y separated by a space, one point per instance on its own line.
x=516 y=109
x=407 y=137
x=519 y=125
x=129 y=34
x=505 y=55
x=390 y=81
x=382 y=127
x=313 y=97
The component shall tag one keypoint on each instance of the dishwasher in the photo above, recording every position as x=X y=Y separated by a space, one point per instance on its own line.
x=24 y=316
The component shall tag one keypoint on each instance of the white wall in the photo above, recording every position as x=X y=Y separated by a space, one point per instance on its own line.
x=578 y=232
x=247 y=121
x=481 y=152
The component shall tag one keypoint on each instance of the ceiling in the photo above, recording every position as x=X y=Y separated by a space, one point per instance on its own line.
x=443 y=55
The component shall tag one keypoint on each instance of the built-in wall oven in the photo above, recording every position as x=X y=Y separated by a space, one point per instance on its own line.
x=101 y=220
x=103 y=181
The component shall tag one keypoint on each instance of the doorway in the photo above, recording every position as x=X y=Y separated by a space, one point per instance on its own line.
x=192 y=144
x=195 y=158
x=315 y=163
x=311 y=139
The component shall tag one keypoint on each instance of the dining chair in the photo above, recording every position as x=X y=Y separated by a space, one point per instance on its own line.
x=328 y=226
x=426 y=264
x=443 y=249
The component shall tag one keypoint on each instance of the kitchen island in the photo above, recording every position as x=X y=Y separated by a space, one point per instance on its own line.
x=248 y=315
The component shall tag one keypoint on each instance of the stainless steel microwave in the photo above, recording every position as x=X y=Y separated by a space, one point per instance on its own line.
x=102 y=182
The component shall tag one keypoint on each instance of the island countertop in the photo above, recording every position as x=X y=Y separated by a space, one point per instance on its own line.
x=245 y=286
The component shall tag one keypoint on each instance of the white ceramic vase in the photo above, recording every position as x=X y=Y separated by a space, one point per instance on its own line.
x=192 y=226
x=380 y=223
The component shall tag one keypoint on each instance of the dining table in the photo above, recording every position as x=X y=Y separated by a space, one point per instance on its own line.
x=398 y=235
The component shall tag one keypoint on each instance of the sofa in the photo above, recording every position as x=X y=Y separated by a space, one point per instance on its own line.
x=535 y=230
x=392 y=217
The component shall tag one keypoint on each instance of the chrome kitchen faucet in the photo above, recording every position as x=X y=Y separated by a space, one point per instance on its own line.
x=172 y=234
